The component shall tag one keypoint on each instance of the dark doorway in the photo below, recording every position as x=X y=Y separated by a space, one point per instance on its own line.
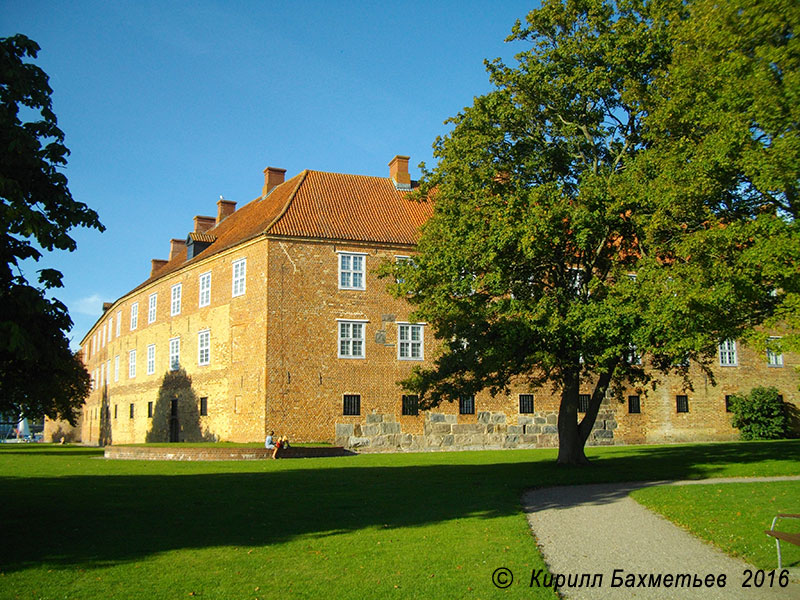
x=174 y=423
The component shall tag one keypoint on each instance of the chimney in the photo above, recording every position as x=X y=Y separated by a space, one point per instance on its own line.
x=155 y=265
x=203 y=224
x=273 y=177
x=107 y=305
x=175 y=248
x=398 y=171
x=225 y=208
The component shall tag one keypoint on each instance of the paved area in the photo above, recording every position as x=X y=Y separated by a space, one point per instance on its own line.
x=598 y=528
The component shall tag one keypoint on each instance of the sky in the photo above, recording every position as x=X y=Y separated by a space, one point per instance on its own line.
x=166 y=106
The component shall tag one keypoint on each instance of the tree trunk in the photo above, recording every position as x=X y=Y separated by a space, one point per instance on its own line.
x=572 y=435
x=570 y=444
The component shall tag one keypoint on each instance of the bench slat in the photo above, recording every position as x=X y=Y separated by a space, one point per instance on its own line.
x=792 y=538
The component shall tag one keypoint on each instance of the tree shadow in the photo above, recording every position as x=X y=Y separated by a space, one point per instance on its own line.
x=176 y=414
x=141 y=509
x=104 y=437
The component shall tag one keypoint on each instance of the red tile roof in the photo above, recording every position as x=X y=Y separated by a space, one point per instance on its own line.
x=318 y=205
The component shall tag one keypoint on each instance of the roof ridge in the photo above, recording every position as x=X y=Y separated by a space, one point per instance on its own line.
x=302 y=177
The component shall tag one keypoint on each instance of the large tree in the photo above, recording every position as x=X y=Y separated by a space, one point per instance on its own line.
x=38 y=372
x=565 y=243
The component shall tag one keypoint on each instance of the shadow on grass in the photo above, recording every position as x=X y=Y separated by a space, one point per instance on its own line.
x=100 y=519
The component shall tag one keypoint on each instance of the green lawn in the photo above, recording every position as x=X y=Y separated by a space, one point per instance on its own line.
x=432 y=525
x=732 y=516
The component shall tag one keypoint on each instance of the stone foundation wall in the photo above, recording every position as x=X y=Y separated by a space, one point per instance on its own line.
x=217 y=453
x=382 y=432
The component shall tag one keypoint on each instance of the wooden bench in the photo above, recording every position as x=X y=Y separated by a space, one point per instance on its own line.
x=792 y=538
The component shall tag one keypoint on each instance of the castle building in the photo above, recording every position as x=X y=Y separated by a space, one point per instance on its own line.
x=271 y=317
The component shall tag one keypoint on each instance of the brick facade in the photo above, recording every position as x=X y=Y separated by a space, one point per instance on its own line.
x=274 y=354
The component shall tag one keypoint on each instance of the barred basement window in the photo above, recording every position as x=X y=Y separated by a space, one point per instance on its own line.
x=411 y=404
x=634 y=405
x=583 y=402
x=131 y=410
x=352 y=404
x=149 y=410
x=115 y=411
x=466 y=405
x=204 y=407
x=682 y=402
x=728 y=403
x=525 y=404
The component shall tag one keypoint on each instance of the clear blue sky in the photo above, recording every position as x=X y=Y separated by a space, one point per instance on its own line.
x=168 y=105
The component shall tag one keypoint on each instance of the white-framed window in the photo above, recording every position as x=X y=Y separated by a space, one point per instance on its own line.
x=103 y=334
x=102 y=373
x=116 y=368
x=108 y=370
x=351 y=271
x=131 y=364
x=110 y=329
x=151 y=308
x=410 y=341
x=204 y=348
x=634 y=356
x=774 y=358
x=403 y=260
x=351 y=339
x=174 y=354
x=119 y=322
x=95 y=344
x=175 y=305
x=205 y=289
x=151 y=359
x=239 y=277
x=134 y=315
x=727 y=353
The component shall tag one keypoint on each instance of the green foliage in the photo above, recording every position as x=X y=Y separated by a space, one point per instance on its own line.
x=761 y=415
x=571 y=176
x=38 y=374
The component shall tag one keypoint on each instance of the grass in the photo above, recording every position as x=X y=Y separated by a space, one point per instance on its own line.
x=432 y=525
x=732 y=516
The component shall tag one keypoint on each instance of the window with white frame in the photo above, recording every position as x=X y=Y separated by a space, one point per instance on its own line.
x=151 y=308
x=102 y=373
x=175 y=305
x=116 y=368
x=134 y=315
x=351 y=271
x=110 y=329
x=119 y=322
x=239 y=277
x=108 y=370
x=634 y=357
x=404 y=260
x=151 y=359
x=774 y=357
x=132 y=364
x=410 y=341
x=204 y=348
x=174 y=354
x=727 y=353
x=351 y=339
x=205 y=289
x=103 y=334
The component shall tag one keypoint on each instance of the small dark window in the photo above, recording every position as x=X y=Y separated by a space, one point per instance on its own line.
x=204 y=407
x=115 y=411
x=352 y=404
x=682 y=402
x=583 y=402
x=525 y=404
x=634 y=405
x=466 y=405
x=411 y=405
x=149 y=410
x=131 y=410
x=727 y=403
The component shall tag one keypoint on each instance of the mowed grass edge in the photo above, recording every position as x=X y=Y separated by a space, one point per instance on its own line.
x=398 y=525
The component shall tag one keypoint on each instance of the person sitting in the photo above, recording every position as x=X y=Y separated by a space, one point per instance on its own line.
x=283 y=442
x=269 y=443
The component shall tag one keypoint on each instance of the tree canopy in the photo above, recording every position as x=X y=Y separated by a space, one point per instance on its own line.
x=592 y=210
x=38 y=372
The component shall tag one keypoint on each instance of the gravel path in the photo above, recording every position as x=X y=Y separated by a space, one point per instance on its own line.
x=598 y=528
